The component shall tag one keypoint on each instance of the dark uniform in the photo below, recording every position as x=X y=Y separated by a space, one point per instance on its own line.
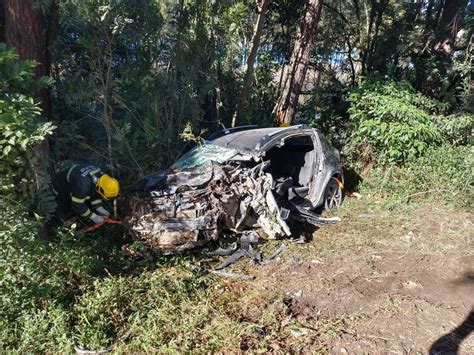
x=75 y=191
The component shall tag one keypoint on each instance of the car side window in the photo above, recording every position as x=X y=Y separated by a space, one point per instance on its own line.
x=300 y=141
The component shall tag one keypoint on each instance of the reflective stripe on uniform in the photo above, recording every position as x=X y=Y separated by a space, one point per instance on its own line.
x=93 y=172
x=96 y=202
x=77 y=199
x=87 y=213
x=70 y=171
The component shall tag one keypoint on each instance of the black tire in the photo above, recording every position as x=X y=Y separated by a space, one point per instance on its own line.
x=333 y=195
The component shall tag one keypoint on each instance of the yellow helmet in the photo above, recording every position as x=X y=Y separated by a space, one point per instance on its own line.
x=107 y=187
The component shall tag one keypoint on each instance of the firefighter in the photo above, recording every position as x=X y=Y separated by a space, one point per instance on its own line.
x=80 y=191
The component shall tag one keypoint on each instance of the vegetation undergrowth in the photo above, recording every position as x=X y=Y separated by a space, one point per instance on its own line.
x=443 y=174
x=406 y=147
x=69 y=290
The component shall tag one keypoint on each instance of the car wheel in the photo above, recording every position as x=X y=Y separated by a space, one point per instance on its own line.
x=333 y=195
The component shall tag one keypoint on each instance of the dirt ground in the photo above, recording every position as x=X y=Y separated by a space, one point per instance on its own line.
x=381 y=281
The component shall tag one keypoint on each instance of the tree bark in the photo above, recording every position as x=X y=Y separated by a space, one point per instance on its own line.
x=379 y=12
x=448 y=26
x=288 y=100
x=257 y=34
x=51 y=33
x=24 y=31
x=2 y=21
x=431 y=66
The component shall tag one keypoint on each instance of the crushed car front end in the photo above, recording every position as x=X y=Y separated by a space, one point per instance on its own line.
x=242 y=180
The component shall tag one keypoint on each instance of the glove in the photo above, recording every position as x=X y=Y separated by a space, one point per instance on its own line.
x=97 y=219
x=102 y=211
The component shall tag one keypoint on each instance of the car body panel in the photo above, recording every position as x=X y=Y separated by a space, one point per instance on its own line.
x=256 y=142
x=252 y=142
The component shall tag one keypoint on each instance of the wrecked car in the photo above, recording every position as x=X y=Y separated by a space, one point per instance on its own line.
x=240 y=179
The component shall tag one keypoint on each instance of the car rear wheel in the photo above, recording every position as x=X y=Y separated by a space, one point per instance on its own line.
x=333 y=195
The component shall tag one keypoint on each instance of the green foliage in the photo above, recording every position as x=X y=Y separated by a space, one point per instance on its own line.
x=144 y=70
x=394 y=121
x=20 y=130
x=133 y=74
x=443 y=174
x=36 y=278
x=117 y=306
x=457 y=129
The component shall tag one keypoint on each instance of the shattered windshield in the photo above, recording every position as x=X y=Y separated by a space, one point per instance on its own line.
x=202 y=154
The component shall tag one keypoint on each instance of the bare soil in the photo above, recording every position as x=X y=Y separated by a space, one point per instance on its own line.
x=380 y=281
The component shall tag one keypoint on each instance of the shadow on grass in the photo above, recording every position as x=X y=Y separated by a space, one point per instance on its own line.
x=352 y=179
x=302 y=230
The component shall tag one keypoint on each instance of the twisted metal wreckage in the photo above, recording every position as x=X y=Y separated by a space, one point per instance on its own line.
x=186 y=208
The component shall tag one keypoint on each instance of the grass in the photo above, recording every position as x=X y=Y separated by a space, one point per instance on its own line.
x=103 y=301
x=76 y=291
x=66 y=291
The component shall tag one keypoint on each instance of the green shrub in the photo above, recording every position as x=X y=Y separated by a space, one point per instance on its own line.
x=21 y=132
x=395 y=122
x=457 y=129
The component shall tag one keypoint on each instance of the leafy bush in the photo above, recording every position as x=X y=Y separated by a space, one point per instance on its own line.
x=397 y=123
x=457 y=129
x=20 y=130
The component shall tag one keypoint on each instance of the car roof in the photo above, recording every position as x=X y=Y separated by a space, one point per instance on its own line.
x=248 y=139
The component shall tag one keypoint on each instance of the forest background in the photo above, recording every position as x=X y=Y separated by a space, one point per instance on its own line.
x=126 y=84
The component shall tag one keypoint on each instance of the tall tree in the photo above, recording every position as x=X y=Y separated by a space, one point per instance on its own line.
x=288 y=100
x=24 y=31
x=448 y=26
x=257 y=34
x=433 y=63
x=2 y=21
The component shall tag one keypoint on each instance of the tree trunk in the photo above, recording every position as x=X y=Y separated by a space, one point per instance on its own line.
x=440 y=32
x=288 y=100
x=24 y=31
x=2 y=21
x=380 y=8
x=448 y=26
x=257 y=34
x=50 y=38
